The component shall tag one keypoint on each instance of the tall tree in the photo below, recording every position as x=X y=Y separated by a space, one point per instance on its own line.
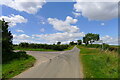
x=24 y=44
x=85 y=40
x=58 y=43
x=79 y=42
x=7 y=37
x=71 y=43
x=90 y=38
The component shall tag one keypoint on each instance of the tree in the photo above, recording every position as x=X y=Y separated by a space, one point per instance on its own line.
x=85 y=41
x=7 y=37
x=90 y=38
x=58 y=43
x=24 y=45
x=79 y=42
x=71 y=43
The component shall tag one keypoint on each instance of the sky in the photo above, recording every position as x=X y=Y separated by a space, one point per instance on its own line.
x=50 y=22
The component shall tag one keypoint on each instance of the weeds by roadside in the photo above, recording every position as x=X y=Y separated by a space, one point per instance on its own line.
x=99 y=64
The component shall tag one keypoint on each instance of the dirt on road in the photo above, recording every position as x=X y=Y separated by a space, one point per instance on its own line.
x=64 y=64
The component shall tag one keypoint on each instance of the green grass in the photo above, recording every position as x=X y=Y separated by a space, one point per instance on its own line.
x=99 y=64
x=69 y=48
x=28 y=49
x=16 y=66
x=38 y=49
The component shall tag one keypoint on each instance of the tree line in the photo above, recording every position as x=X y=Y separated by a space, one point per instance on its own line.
x=42 y=46
x=89 y=38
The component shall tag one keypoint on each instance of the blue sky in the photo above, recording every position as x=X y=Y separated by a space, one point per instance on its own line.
x=35 y=26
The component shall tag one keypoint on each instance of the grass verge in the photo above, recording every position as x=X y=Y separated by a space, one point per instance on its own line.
x=38 y=49
x=16 y=66
x=69 y=48
x=28 y=49
x=97 y=64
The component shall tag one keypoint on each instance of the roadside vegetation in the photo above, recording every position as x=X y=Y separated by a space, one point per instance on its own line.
x=99 y=60
x=41 y=47
x=21 y=62
x=98 y=63
x=13 y=63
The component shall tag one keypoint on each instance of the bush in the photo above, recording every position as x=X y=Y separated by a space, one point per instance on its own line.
x=6 y=57
x=94 y=46
x=41 y=46
x=105 y=47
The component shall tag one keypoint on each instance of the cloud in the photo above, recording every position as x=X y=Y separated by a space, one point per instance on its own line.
x=64 y=26
x=29 y=6
x=97 y=10
x=102 y=24
x=18 y=30
x=21 y=36
x=76 y=14
x=65 y=38
x=42 y=30
x=42 y=22
x=108 y=40
x=62 y=37
x=14 y=19
x=97 y=0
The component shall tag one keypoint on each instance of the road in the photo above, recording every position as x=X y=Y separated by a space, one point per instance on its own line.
x=64 y=64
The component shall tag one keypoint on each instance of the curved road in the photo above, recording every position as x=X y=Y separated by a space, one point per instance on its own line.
x=64 y=64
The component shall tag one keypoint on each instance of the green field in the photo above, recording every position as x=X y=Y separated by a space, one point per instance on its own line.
x=99 y=64
x=69 y=48
x=32 y=49
x=38 y=49
x=16 y=66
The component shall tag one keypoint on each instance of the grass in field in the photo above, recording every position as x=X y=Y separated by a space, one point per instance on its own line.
x=28 y=49
x=69 y=48
x=98 y=64
x=38 y=49
x=16 y=66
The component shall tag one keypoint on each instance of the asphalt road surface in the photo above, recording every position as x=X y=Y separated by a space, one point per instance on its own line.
x=64 y=64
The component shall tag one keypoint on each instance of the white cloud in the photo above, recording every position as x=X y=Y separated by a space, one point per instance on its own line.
x=42 y=30
x=14 y=19
x=29 y=6
x=65 y=26
x=42 y=22
x=109 y=40
x=102 y=24
x=76 y=14
x=21 y=36
x=47 y=38
x=62 y=37
x=18 y=30
x=97 y=0
x=97 y=10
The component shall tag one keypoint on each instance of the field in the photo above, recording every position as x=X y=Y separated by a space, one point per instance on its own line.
x=40 y=47
x=43 y=47
x=99 y=64
x=32 y=49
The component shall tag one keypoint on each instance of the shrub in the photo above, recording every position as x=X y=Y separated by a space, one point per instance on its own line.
x=6 y=57
x=41 y=46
